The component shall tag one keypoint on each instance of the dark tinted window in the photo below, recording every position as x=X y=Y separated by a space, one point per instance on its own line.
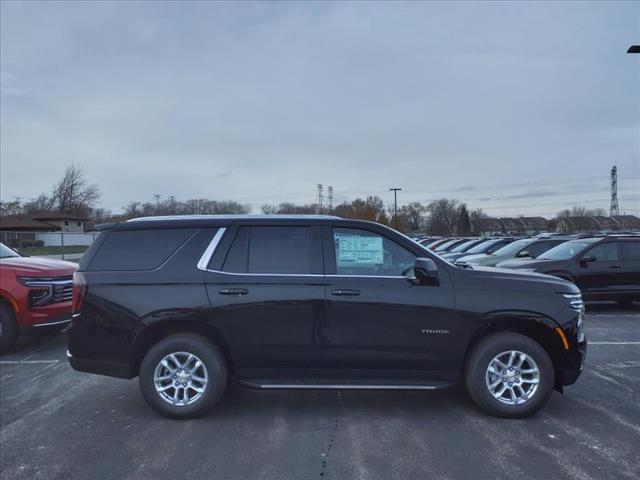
x=605 y=252
x=630 y=251
x=537 y=248
x=138 y=249
x=359 y=252
x=496 y=246
x=288 y=250
x=236 y=261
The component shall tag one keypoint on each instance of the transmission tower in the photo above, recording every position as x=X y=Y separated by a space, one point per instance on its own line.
x=614 y=209
x=320 y=197
x=330 y=198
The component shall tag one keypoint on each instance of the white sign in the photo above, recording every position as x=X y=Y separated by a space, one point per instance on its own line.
x=359 y=250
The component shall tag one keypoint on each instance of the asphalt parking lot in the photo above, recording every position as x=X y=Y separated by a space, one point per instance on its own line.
x=56 y=423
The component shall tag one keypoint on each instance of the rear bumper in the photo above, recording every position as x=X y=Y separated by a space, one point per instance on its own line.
x=574 y=363
x=109 y=369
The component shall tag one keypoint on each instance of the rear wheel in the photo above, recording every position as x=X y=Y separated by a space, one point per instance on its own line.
x=509 y=375
x=183 y=376
x=8 y=328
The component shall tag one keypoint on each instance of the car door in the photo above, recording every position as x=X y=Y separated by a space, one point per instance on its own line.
x=599 y=269
x=267 y=295
x=630 y=252
x=378 y=322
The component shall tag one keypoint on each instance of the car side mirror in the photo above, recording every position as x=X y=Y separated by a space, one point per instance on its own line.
x=426 y=271
x=524 y=253
x=588 y=259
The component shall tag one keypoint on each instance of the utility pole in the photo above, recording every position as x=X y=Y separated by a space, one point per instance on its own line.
x=320 y=197
x=395 y=204
x=614 y=209
x=330 y=198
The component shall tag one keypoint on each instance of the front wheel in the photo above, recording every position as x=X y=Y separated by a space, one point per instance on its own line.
x=183 y=376
x=509 y=375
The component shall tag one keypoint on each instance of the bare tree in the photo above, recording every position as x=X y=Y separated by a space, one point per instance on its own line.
x=443 y=216
x=411 y=216
x=73 y=193
x=10 y=208
x=42 y=203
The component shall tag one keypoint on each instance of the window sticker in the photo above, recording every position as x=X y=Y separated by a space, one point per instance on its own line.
x=359 y=250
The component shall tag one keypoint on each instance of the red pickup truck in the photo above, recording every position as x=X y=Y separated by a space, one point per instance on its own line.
x=35 y=295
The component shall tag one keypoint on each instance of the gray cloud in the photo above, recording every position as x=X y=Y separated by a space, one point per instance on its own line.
x=172 y=97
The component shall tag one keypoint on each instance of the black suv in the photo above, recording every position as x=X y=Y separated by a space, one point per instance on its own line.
x=604 y=268
x=191 y=303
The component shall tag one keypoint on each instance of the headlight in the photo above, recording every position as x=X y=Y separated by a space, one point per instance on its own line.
x=576 y=303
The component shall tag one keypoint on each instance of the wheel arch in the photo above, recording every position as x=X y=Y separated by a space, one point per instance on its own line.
x=155 y=332
x=539 y=328
x=563 y=274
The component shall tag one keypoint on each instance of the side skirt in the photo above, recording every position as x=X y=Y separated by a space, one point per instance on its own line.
x=342 y=384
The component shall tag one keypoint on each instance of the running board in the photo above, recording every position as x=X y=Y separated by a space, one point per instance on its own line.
x=290 y=384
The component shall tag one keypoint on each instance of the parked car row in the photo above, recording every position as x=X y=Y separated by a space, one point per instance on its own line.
x=604 y=267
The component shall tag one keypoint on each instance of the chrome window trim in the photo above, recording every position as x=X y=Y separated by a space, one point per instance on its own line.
x=204 y=260
x=211 y=248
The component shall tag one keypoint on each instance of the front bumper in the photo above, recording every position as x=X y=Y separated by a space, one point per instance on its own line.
x=574 y=363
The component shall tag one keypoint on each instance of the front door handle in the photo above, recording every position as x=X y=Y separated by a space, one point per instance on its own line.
x=233 y=291
x=615 y=267
x=345 y=292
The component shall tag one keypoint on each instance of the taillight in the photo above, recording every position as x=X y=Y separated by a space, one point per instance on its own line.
x=79 y=292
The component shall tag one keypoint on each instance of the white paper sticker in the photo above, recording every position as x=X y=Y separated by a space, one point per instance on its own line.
x=359 y=250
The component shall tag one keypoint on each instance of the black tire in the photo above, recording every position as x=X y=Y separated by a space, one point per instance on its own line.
x=476 y=373
x=213 y=360
x=9 y=332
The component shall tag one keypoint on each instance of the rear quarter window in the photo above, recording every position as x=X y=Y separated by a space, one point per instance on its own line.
x=138 y=249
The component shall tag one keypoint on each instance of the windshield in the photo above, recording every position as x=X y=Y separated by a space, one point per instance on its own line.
x=513 y=248
x=6 y=252
x=444 y=245
x=463 y=247
x=565 y=250
x=483 y=246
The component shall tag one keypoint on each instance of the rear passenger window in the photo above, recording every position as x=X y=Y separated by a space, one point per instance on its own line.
x=274 y=250
x=138 y=249
x=630 y=251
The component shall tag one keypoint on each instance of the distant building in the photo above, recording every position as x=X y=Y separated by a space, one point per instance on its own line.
x=592 y=224
x=627 y=222
x=65 y=222
x=43 y=222
x=487 y=227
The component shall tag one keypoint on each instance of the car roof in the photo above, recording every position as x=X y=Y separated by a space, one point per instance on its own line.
x=195 y=221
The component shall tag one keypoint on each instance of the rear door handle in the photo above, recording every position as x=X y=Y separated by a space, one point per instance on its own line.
x=233 y=291
x=345 y=292
x=613 y=267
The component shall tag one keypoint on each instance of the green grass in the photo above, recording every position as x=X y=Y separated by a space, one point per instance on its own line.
x=35 y=251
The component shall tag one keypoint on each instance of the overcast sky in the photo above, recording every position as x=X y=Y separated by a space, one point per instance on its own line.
x=259 y=102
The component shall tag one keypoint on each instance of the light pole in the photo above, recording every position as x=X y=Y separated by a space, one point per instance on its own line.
x=395 y=204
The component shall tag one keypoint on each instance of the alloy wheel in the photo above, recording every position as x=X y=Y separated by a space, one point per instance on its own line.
x=512 y=377
x=180 y=378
